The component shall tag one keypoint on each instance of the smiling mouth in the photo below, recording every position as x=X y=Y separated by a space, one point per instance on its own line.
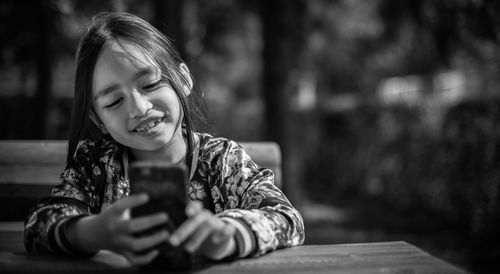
x=149 y=126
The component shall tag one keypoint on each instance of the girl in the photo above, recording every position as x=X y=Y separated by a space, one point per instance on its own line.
x=132 y=85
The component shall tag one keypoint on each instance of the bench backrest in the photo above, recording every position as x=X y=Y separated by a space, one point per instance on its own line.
x=30 y=168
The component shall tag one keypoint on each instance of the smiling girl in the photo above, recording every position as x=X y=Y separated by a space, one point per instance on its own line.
x=132 y=86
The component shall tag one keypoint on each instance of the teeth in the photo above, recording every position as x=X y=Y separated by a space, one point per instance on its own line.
x=148 y=126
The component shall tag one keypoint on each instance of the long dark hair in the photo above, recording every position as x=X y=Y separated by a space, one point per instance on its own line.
x=106 y=28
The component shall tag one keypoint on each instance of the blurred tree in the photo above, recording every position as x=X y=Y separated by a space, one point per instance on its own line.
x=168 y=18
x=441 y=29
x=45 y=28
x=224 y=40
x=284 y=43
x=26 y=33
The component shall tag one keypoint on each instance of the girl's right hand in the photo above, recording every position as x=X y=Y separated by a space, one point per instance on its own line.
x=115 y=230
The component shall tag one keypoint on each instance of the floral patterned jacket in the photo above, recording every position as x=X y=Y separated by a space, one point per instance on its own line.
x=224 y=179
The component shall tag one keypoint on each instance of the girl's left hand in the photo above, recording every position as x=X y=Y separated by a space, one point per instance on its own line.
x=204 y=234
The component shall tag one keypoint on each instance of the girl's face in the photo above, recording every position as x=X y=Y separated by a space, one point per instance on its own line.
x=137 y=107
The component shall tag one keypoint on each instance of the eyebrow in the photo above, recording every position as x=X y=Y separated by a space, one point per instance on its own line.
x=114 y=87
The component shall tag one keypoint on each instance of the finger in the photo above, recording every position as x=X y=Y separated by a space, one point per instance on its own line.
x=120 y=242
x=189 y=227
x=129 y=202
x=223 y=234
x=221 y=244
x=145 y=222
x=148 y=241
x=193 y=208
x=126 y=214
x=199 y=237
x=141 y=259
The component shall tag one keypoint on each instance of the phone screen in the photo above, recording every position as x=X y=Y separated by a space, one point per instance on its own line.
x=166 y=186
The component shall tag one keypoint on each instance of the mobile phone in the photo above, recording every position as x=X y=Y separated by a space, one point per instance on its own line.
x=165 y=185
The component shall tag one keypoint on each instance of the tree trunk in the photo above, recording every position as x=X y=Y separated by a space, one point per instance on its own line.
x=43 y=57
x=168 y=19
x=283 y=44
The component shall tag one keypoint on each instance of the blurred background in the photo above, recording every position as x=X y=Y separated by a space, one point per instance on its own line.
x=387 y=111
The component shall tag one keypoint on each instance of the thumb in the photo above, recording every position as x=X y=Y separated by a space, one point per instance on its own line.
x=193 y=208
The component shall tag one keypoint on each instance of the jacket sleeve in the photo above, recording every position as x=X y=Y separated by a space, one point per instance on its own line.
x=73 y=198
x=264 y=218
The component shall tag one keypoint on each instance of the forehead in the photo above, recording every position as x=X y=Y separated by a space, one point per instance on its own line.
x=118 y=61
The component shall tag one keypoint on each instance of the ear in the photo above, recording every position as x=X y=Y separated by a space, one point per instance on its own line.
x=97 y=122
x=185 y=73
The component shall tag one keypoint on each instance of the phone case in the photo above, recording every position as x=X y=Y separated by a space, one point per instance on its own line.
x=166 y=186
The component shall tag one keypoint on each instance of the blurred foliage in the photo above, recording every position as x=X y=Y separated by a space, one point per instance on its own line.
x=353 y=89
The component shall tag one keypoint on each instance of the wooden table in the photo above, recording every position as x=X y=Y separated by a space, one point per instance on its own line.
x=383 y=258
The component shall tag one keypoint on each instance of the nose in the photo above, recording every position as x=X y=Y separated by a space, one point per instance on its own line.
x=139 y=105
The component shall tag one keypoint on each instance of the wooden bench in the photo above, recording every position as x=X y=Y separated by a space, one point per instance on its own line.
x=30 y=168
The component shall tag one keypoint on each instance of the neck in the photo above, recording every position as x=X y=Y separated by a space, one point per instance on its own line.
x=173 y=152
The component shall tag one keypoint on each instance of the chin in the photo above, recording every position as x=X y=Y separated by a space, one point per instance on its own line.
x=149 y=145
x=155 y=143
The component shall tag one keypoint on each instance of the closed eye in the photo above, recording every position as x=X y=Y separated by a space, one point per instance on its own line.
x=152 y=86
x=114 y=103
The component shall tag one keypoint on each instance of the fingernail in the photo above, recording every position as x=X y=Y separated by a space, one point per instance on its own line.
x=193 y=208
x=164 y=217
x=190 y=210
x=174 y=240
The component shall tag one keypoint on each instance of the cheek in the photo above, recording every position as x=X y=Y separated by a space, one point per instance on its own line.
x=169 y=101
x=178 y=111
x=111 y=121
